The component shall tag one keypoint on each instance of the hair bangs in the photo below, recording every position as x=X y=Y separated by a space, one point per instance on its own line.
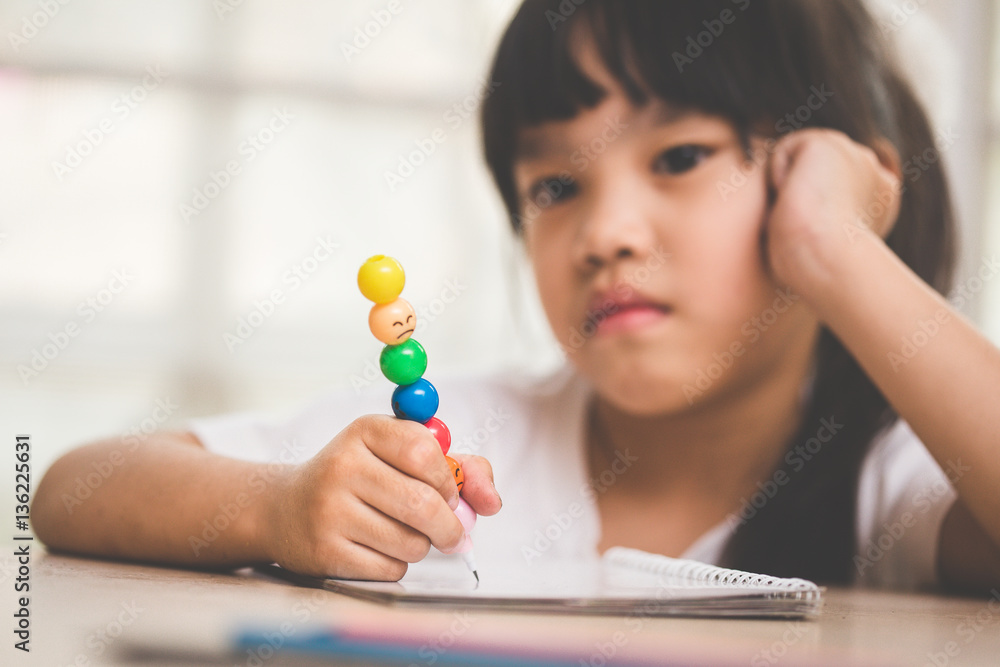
x=706 y=56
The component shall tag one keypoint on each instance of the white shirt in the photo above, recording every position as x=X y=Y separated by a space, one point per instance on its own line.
x=532 y=431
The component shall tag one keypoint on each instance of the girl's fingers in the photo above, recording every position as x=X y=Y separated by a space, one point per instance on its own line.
x=410 y=448
x=827 y=156
x=376 y=530
x=890 y=170
x=782 y=158
x=778 y=170
x=478 y=489
x=358 y=561
x=410 y=501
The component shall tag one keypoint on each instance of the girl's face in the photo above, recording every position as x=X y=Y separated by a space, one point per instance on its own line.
x=643 y=225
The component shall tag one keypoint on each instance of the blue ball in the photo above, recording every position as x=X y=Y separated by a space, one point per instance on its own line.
x=417 y=402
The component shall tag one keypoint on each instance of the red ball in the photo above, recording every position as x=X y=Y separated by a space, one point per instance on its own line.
x=440 y=432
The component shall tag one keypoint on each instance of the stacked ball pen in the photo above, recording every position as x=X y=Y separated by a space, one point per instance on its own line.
x=403 y=361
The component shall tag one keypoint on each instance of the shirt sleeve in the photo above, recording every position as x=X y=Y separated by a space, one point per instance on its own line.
x=903 y=497
x=256 y=437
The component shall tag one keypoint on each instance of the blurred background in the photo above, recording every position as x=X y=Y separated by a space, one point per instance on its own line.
x=188 y=187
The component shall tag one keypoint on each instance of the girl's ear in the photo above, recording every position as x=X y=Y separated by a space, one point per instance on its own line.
x=888 y=156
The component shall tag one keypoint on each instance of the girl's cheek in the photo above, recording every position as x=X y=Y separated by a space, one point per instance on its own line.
x=547 y=278
x=726 y=260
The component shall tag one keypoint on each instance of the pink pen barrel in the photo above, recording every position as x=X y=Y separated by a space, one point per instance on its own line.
x=467 y=516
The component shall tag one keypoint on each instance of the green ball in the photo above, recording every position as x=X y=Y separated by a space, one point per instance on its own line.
x=403 y=363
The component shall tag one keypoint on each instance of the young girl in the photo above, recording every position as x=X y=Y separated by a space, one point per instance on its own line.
x=738 y=255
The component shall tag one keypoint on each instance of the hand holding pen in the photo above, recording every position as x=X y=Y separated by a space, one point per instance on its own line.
x=403 y=361
x=378 y=496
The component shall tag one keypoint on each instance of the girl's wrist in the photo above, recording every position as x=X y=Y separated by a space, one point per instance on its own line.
x=270 y=520
x=836 y=290
x=825 y=271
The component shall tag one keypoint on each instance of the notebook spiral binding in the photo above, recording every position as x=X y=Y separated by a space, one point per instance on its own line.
x=709 y=574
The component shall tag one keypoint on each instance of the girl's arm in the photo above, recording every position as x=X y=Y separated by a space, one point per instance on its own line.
x=940 y=374
x=943 y=377
x=157 y=502
x=372 y=500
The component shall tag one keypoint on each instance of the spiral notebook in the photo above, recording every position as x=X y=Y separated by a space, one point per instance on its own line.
x=623 y=581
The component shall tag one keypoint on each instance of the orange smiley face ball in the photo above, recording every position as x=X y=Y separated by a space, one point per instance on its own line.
x=393 y=322
x=456 y=472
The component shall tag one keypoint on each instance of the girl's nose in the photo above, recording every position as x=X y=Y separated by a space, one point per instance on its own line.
x=616 y=227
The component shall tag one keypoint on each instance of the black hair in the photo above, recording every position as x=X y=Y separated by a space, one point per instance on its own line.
x=751 y=62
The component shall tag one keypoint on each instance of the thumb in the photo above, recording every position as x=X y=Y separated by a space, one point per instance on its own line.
x=478 y=489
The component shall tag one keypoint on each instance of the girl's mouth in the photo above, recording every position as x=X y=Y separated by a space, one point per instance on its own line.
x=629 y=318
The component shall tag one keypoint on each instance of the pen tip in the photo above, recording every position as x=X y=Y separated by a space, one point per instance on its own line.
x=476 y=574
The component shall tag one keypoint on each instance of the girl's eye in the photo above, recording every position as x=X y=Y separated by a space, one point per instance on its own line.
x=680 y=159
x=547 y=192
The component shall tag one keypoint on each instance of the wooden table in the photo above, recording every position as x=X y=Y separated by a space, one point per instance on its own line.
x=92 y=612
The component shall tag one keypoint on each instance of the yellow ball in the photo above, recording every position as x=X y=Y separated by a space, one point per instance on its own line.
x=381 y=279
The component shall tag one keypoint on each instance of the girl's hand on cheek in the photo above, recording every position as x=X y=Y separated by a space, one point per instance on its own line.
x=827 y=192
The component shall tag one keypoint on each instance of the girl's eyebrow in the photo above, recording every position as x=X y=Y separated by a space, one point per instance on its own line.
x=539 y=146
x=666 y=114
